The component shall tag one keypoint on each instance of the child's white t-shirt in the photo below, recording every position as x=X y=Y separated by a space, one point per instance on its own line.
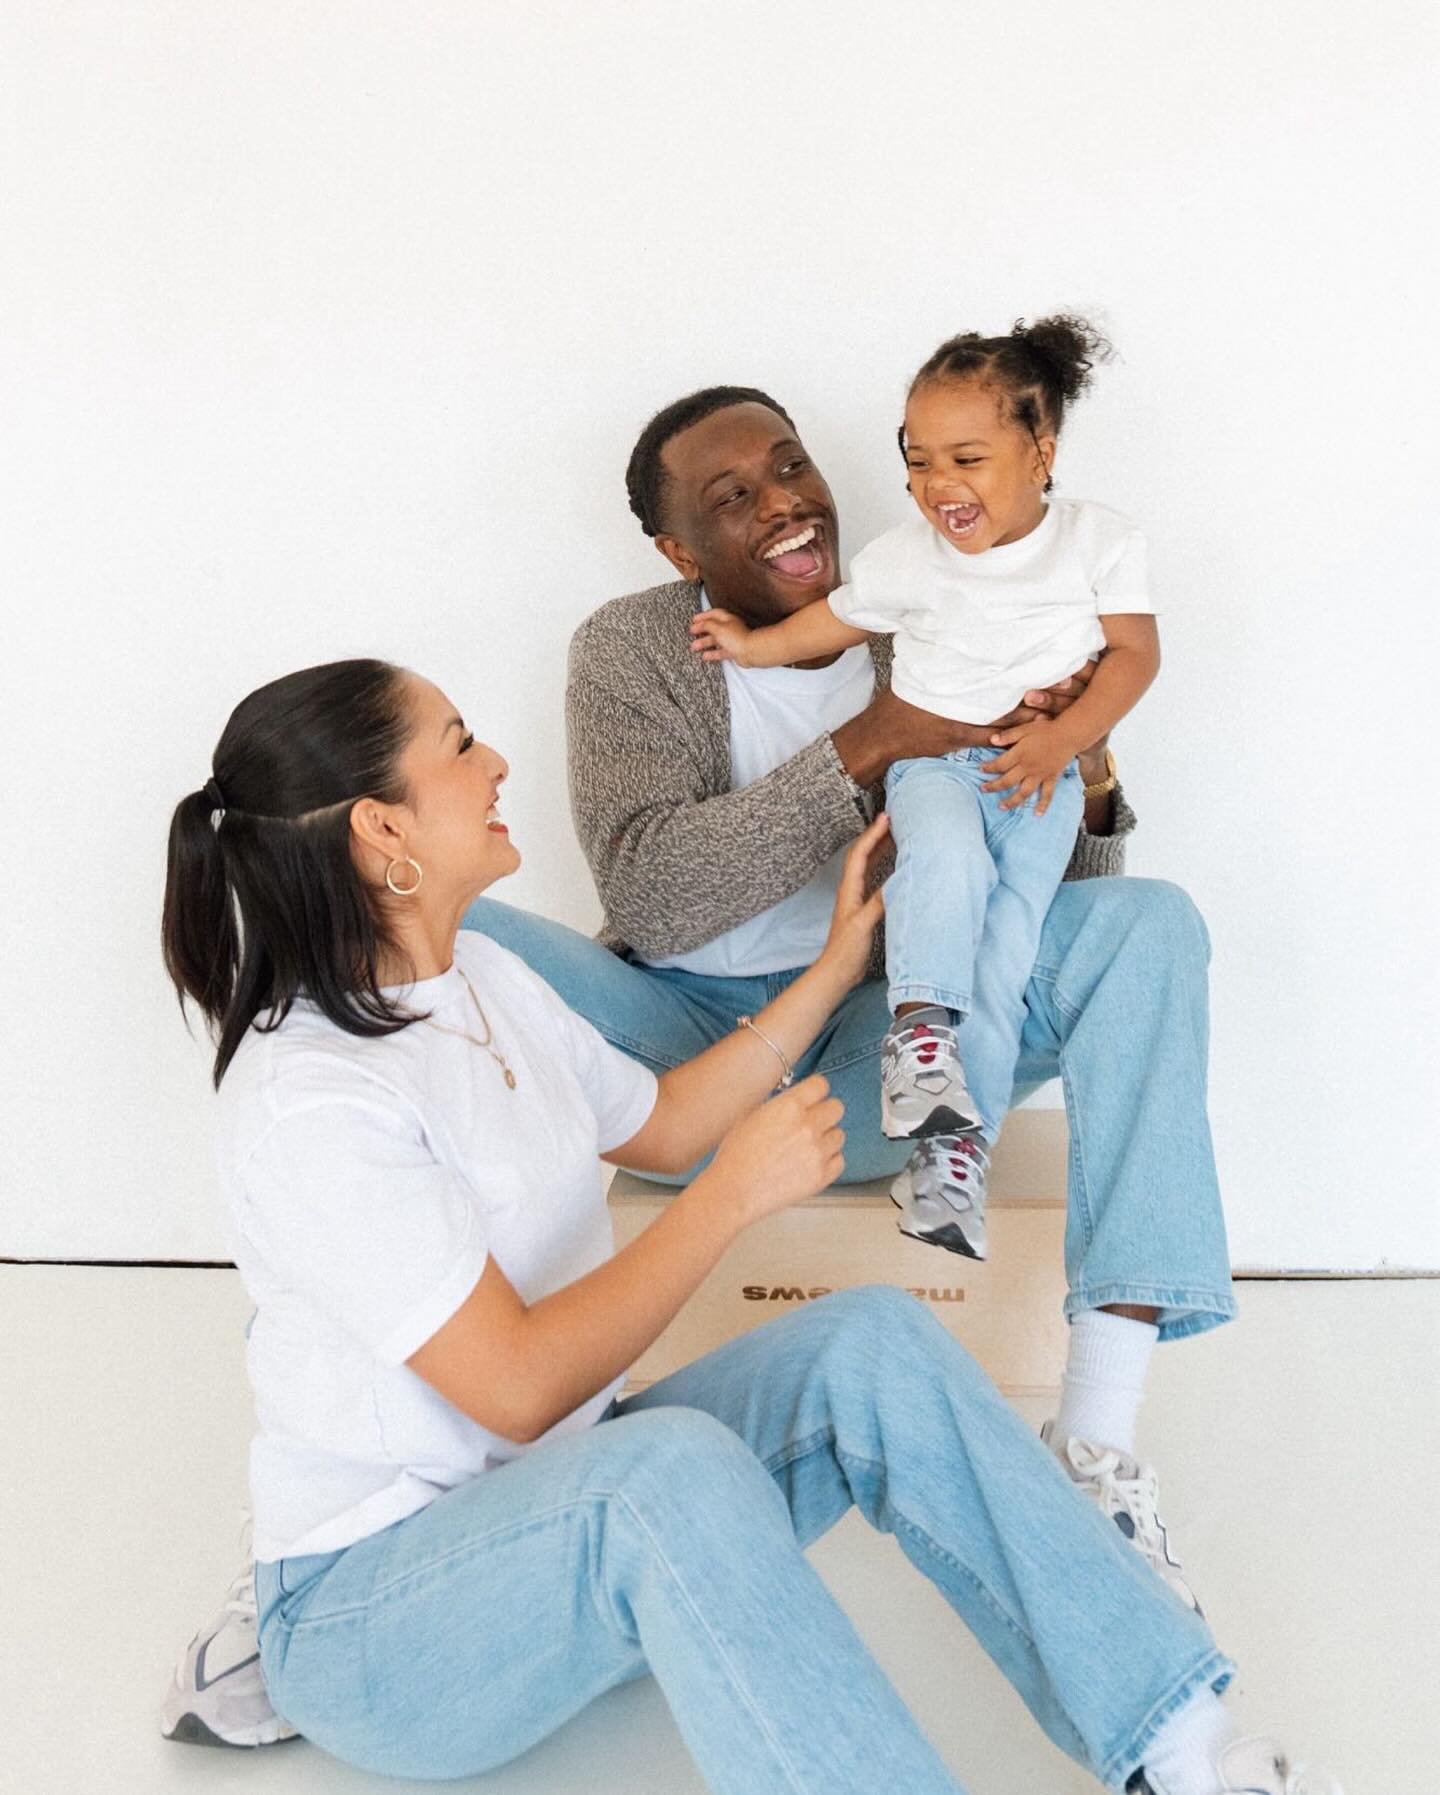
x=368 y=1181
x=974 y=633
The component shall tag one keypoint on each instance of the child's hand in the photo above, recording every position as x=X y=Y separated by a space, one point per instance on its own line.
x=1035 y=756
x=719 y=636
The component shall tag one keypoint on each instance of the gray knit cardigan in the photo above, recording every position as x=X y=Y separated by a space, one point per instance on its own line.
x=678 y=856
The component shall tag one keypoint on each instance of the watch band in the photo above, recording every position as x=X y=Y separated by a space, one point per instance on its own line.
x=1108 y=783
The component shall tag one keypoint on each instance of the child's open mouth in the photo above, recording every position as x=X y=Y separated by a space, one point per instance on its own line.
x=960 y=520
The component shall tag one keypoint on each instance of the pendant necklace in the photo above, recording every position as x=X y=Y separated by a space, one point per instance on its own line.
x=465 y=1035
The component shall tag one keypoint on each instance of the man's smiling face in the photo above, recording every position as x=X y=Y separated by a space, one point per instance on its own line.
x=747 y=513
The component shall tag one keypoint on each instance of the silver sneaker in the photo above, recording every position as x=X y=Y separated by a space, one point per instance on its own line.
x=1128 y=1493
x=218 y=1696
x=922 y=1083
x=941 y=1193
x=1254 y=1767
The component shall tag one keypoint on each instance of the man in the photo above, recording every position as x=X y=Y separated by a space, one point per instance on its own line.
x=714 y=804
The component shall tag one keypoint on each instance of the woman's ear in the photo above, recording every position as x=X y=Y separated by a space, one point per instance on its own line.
x=376 y=826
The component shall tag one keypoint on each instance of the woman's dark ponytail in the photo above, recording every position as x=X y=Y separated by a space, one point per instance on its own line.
x=263 y=901
x=198 y=933
x=1063 y=350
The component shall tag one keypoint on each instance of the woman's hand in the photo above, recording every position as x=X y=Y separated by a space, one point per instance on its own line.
x=781 y=1153
x=855 y=918
x=719 y=636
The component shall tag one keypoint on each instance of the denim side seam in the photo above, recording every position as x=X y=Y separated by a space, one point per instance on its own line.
x=722 y=1657
x=1214 y=1671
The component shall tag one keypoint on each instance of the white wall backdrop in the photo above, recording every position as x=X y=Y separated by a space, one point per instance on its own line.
x=328 y=331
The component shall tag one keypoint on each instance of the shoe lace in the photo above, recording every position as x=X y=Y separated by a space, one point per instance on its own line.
x=916 y=1049
x=962 y=1164
x=1137 y=1495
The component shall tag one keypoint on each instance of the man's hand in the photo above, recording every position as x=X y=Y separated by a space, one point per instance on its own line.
x=889 y=729
x=719 y=636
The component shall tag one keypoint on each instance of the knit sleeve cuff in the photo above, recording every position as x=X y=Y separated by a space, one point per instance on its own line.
x=1103 y=856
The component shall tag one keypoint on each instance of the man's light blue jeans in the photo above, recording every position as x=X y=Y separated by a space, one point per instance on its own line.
x=1116 y=1007
x=668 y=1538
x=967 y=901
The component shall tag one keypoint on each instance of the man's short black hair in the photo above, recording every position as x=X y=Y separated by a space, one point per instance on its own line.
x=645 y=473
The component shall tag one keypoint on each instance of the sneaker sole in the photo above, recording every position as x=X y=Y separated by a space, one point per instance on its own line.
x=951 y=1237
x=190 y=1729
x=943 y=1120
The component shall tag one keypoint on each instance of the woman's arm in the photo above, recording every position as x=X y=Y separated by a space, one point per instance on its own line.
x=698 y=1101
x=807 y=634
x=518 y=1368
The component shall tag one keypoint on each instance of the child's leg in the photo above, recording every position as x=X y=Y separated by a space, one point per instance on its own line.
x=935 y=899
x=1030 y=854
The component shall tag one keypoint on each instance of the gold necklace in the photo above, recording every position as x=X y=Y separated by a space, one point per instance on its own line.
x=465 y=1035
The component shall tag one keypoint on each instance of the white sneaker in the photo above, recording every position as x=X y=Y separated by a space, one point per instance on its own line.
x=1253 y=1767
x=1128 y=1493
x=218 y=1696
x=922 y=1083
x=941 y=1193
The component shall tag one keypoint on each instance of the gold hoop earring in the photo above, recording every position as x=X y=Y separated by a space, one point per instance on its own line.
x=404 y=890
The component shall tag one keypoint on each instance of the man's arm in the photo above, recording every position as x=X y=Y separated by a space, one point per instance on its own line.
x=675 y=864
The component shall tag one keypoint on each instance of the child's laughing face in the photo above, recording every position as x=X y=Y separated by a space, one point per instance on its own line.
x=978 y=476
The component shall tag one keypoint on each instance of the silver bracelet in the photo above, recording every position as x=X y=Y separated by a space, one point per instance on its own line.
x=787 y=1077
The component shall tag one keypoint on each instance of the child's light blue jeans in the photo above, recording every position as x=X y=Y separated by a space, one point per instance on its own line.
x=966 y=903
x=669 y=1539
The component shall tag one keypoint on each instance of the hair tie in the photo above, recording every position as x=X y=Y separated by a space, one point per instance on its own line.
x=211 y=791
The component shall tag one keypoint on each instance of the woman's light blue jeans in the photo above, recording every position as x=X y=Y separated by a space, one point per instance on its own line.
x=1116 y=1006
x=967 y=901
x=669 y=1539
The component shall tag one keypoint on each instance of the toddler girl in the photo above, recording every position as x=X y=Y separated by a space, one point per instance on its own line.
x=990 y=593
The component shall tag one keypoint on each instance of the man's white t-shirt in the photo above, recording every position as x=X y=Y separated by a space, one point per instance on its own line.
x=368 y=1182
x=974 y=633
x=774 y=713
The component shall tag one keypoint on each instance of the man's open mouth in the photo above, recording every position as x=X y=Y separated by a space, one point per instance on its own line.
x=799 y=556
x=960 y=520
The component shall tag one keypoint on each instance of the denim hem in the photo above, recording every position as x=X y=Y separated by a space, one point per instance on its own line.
x=1214 y=1671
x=1194 y=1311
x=912 y=993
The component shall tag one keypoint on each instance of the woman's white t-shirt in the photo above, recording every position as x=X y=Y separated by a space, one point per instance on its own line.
x=368 y=1181
x=974 y=633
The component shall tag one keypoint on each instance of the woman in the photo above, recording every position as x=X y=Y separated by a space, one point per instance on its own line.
x=462 y=1533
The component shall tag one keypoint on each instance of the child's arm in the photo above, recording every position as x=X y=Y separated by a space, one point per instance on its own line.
x=810 y=632
x=1037 y=753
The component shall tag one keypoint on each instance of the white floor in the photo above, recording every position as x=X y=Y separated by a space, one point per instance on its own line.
x=1299 y=1448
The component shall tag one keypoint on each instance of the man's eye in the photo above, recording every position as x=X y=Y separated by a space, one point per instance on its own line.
x=794 y=466
x=466 y=743
x=730 y=497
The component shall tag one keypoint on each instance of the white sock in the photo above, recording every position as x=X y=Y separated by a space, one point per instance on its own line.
x=1184 y=1755
x=1105 y=1379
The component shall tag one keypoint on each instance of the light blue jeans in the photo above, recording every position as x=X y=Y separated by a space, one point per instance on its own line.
x=1116 y=1006
x=669 y=1539
x=967 y=901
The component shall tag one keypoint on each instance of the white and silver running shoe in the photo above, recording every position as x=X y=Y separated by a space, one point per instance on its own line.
x=218 y=1696
x=922 y=1083
x=941 y=1193
x=1254 y=1767
x=1128 y=1493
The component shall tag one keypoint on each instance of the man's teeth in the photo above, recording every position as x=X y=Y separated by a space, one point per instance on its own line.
x=803 y=540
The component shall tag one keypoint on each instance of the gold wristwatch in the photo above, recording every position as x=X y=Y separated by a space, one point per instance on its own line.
x=1107 y=784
